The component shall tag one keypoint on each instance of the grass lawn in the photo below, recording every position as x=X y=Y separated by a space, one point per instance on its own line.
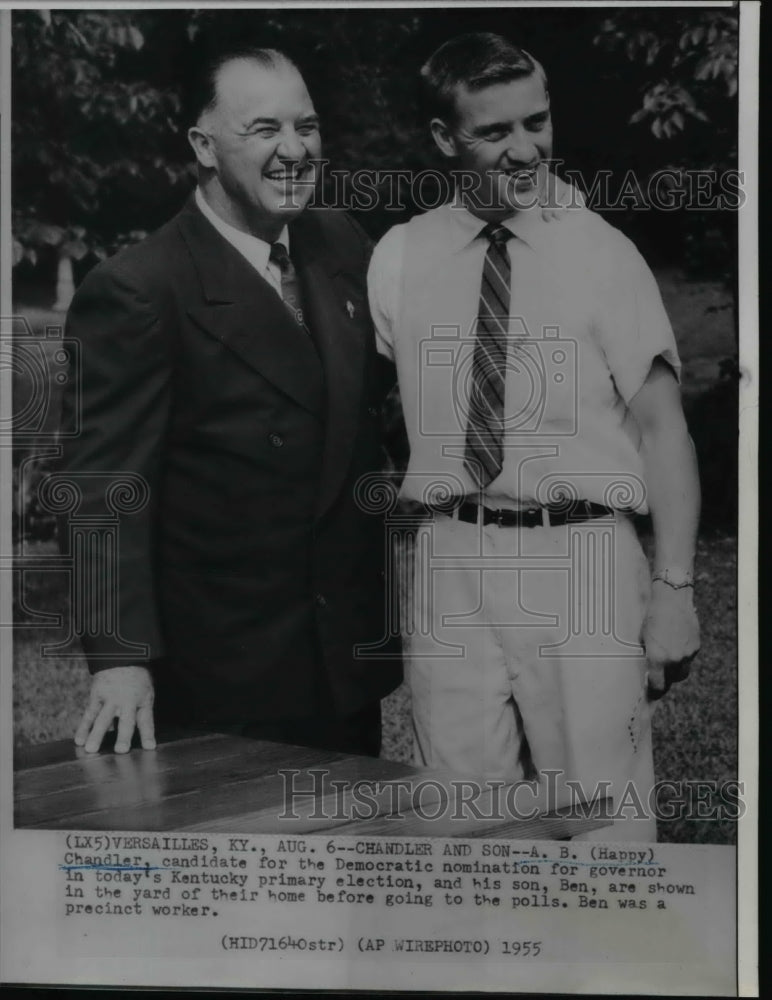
x=700 y=312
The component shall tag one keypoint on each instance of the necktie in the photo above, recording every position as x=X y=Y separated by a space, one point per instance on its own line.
x=290 y=286
x=484 y=451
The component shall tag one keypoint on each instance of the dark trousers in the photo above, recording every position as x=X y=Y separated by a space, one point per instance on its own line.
x=359 y=733
x=356 y=733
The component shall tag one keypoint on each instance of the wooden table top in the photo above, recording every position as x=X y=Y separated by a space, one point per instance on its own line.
x=228 y=784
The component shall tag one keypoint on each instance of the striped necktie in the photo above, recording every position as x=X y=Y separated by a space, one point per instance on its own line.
x=484 y=451
x=290 y=286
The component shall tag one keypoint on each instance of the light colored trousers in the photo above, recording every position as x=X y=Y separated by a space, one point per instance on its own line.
x=523 y=652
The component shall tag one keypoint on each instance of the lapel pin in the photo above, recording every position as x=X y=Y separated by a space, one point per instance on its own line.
x=350 y=308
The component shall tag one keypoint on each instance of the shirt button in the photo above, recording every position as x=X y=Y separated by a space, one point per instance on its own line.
x=321 y=600
x=276 y=440
x=373 y=411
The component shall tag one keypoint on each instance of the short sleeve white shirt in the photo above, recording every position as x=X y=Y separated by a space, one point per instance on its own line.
x=586 y=322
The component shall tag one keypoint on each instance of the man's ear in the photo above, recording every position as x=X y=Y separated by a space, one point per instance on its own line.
x=203 y=147
x=443 y=137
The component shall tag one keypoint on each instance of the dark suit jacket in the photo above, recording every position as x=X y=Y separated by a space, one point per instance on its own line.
x=247 y=571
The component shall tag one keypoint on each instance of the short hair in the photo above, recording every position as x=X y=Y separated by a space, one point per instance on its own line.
x=475 y=60
x=201 y=86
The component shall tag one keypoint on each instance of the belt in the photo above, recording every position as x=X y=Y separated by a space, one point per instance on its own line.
x=531 y=517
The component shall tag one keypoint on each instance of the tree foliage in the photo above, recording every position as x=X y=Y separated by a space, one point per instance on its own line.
x=686 y=69
x=99 y=151
x=690 y=67
x=90 y=131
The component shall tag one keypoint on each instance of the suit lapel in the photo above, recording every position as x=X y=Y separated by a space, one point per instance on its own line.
x=341 y=345
x=244 y=313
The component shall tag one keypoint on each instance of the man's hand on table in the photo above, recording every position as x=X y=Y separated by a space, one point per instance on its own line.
x=125 y=693
x=671 y=637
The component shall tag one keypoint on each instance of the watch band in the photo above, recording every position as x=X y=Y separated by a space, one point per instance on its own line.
x=675 y=578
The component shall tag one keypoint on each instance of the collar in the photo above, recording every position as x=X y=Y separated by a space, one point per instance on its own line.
x=527 y=225
x=252 y=247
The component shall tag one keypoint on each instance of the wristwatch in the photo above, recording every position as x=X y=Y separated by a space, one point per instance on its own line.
x=675 y=578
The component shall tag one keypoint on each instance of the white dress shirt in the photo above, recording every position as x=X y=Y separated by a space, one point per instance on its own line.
x=255 y=250
x=586 y=322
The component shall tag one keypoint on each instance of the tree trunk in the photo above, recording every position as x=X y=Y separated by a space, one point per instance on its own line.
x=65 y=284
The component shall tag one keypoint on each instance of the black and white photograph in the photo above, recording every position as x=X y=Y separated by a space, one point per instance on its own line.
x=374 y=524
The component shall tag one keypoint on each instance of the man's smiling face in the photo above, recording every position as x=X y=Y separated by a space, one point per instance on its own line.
x=502 y=135
x=264 y=145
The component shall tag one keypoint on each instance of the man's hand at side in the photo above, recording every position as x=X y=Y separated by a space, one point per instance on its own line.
x=670 y=632
x=125 y=693
x=671 y=637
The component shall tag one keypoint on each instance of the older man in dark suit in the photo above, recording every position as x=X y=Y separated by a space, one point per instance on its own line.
x=229 y=365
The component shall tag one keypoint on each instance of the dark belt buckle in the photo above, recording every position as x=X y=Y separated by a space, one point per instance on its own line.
x=535 y=516
x=498 y=517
